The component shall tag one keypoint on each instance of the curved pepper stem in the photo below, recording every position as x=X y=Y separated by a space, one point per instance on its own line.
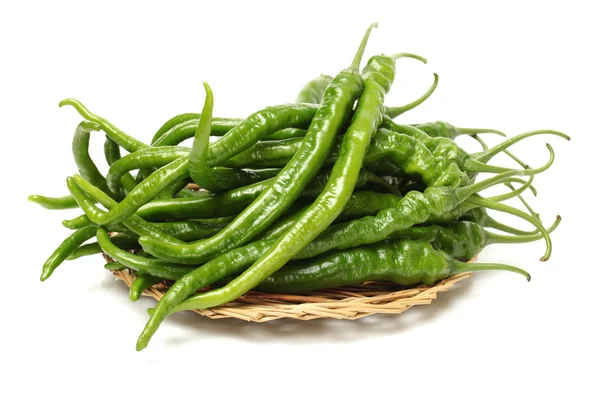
x=397 y=56
x=355 y=65
x=464 y=192
x=395 y=111
x=515 y=192
x=481 y=142
x=522 y=199
x=485 y=156
x=472 y=165
x=493 y=238
x=518 y=213
x=474 y=131
x=492 y=223
x=506 y=151
x=475 y=267
x=129 y=143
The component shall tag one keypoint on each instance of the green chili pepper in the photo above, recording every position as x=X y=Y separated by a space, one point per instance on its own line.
x=189 y=230
x=124 y=241
x=141 y=283
x=66 y=248
x=447 y=149
x=414 y=159
x=61 y=203
x=275 y=153
x=138 y=263
x=216 y=205
x=136 y=224
x=404 y=262
x=463 y=240
x=142 y=194
x=143 y=159
x=285 y=134
x=114 y=266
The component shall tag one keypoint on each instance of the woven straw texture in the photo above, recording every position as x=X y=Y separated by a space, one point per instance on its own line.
x=347 y=302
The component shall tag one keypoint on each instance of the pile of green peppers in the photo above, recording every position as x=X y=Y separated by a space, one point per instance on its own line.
x=323 y=192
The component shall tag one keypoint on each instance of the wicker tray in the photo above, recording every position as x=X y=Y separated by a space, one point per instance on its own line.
x=348 y=302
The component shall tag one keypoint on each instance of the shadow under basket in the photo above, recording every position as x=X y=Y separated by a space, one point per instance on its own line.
x=347 y=302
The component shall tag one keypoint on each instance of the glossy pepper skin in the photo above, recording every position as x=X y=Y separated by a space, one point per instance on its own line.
x=289 y=183
x=462 y=240
x=404 y=262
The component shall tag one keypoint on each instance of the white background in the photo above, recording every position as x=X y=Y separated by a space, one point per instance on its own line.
x=511 y=67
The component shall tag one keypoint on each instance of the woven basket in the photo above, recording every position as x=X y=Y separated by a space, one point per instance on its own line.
x=347 y=302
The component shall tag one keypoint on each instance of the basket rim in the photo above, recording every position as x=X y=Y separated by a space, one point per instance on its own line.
x=346 y=302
